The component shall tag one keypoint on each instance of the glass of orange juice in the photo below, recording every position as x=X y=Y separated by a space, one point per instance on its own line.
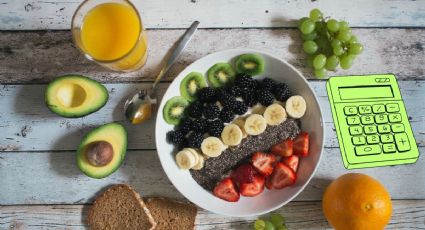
x=111 y=33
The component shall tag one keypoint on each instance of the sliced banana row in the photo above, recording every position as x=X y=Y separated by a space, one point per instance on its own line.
x=189 y=158
x=212 y=147
x=274 y=114
x=231 y=135
x=255 y=124
x=296 y=106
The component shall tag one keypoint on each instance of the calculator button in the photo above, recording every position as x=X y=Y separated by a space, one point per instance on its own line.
x=384 y=128
x=387 y=138
x=402 y=142
x=365 y=109
x=381 y=118
x=372 y=139
x=394 y=118
x=370 y=129
x=378 y=108
x=355 y=130
x=367 y=120
x=353 y=120
x=388 y=148
x=358 y=140
x=397 y=128
x=350 y=110
x=368 y=150
x=392 y=107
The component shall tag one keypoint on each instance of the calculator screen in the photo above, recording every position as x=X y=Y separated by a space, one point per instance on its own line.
x=363 y=92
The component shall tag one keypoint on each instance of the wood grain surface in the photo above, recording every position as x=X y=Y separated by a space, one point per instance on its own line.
x=57 y=14
x=34 y=57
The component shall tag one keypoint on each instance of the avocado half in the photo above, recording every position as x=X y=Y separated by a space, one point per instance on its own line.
x=75 y=96
x=113 y=133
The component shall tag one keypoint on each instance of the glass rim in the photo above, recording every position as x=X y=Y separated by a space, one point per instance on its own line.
x=90 y=57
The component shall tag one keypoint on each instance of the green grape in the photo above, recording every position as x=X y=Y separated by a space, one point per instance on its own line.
x=259 y=224
x=319 y=61
x=344 y=34
x=332 y=62
x=309 y=37
x=277 y=219
x=310 y=47
x=307 y=26
x=346 y=61
x=343 y=25
x=332 y=25
x=335 y=43
x=355 y=48
x=321 y=42
x=320 y=73
x=269 y=226
x=353 y=39
x=338 y=50
x=315 y=15
x=301 y=22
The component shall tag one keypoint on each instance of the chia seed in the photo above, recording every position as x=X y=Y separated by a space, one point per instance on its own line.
x=218 y=167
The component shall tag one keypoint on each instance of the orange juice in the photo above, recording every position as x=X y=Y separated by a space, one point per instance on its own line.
x=112 y=34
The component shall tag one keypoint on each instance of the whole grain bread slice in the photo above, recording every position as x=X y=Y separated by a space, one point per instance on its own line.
x=120 y=207
x=170 y=214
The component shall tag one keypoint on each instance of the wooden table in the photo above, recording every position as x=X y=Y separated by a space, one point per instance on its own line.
x=40 y=184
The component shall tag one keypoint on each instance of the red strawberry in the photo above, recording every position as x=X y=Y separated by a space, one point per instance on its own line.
x=269 y=185
x=243 y=174
x=254 y=188
x=292 y=162
x=301 y=144
x=226 y=190
x=263 y=163
x=284 y=149
x=282 y=176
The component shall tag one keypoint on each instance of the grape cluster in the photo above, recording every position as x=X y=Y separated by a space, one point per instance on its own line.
x=276 y=221
x=328 y=43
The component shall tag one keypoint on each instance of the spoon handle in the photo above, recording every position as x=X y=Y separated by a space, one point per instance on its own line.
x=180 y=45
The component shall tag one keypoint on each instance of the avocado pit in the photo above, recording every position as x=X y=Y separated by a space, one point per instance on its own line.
x=99 y=153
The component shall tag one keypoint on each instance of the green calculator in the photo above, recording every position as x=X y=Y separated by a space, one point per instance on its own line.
x=371 y=121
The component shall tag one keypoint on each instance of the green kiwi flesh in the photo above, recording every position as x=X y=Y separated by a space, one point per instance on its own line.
x=252 y=64
x=221 y=74
x=174 y=110
x=190 y=85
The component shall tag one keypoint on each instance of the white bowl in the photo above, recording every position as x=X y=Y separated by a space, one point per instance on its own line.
x=269 y=200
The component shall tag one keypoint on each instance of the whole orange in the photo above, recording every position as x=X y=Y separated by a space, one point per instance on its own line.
x=357 y=201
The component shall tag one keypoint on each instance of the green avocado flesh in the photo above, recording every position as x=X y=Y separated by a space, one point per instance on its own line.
x=75 y=96
x=252 y=64
x=113 y=133
x=190 y=85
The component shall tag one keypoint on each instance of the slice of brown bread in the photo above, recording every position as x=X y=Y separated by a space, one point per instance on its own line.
x=170 y=214
x=120 y=207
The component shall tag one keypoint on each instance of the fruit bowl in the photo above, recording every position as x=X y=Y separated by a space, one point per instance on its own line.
x=312 y=122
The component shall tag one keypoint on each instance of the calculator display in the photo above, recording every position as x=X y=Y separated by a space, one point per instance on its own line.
x=363 y=92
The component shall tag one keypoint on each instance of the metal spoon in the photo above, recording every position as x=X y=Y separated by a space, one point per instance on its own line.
x=138 y=108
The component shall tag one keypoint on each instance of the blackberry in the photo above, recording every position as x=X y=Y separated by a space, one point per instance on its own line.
x=226 y=115
x=183 y=145
x=200 y=125
x=235 y=90
x=265 y=97
x=185 y=126
x=175 y=137
x=250 y=99
x=240 y=108
x=229 y=103
x=211 y=111
x=268 y=84
x=245 y=81
x=281 y=92
x=194 y=140
x=195 y=109
x=207 y=94
x=215 y=127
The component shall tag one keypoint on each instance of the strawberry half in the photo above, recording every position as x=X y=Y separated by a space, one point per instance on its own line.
x=301 y=144
x=226 y=190
x=243 y=174
x=292 y=162
x=254 y=188
x=282 y=176
x=263 y=163
x=284 y=149
x=268 y=183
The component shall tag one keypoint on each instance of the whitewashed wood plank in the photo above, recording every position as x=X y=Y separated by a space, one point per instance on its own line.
x=41 y=56
x=407 y=214
x=24 y=118
x=57 y=14
x=53 y=177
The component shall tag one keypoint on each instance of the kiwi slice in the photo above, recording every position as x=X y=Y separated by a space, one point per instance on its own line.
x=252 y=64
x=221 y=74
x=174 y=110
x=191 y=84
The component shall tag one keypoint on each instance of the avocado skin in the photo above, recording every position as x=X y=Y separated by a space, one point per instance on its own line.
x=62 y=111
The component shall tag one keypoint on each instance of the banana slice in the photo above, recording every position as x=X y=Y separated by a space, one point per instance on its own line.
x=258 y=109
x=241 y=122
x=231 y=135
x=296 y=106
x=194 y=153
x=274 y=114
x=255 y=124
x=200 y=163
x=185 y=159
x=212 y=146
